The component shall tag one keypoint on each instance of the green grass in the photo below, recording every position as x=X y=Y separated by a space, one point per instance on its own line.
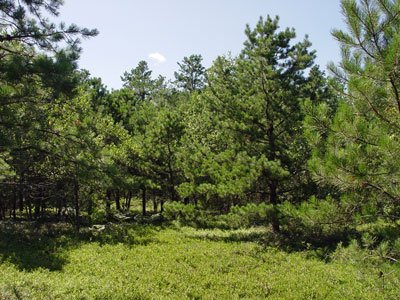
x=135 y=262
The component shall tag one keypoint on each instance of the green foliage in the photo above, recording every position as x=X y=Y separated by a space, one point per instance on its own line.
x=135 y=262
x=25 y=22
x=320 y=222
x=140 y=82
x=191 y=74
x=247 y=216
x=186 y=214
x=244 y=130
x=357 y=145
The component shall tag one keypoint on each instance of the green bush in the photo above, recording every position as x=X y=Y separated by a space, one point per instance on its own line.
x=185 y=214
x=316 y=221
x=247 y=216
x=239 y=216
x=381 y=229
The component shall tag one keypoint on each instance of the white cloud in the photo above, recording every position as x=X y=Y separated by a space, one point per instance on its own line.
x=159 y=58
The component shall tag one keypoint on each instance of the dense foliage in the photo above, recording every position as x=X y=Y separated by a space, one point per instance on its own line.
x=263 y=138
x=126 y=262
x=356 y=148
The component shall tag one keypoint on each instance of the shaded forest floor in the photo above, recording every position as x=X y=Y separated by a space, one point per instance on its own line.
x=126 y=261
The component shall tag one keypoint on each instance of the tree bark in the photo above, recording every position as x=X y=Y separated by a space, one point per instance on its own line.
x=108 y=204
x=155 y=204
x=117 y=200
x=128 y=201
x=14 y=204
x=144 y=201
x=274 y=201
x=77 y=218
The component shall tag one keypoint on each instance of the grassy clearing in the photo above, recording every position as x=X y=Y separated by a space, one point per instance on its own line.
x=134 y=262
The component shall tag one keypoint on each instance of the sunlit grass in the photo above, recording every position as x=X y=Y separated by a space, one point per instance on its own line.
x=133 y=262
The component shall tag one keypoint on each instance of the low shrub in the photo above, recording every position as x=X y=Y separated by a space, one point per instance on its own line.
x=186 y=214
x=381 y=229
x=316 y=221
x=247 y=216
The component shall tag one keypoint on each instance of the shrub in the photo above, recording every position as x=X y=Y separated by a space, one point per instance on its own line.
x=247 y=216
x=185 y=214
x=315 y=221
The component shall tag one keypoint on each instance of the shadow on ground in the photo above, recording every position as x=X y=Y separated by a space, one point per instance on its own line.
x=32 y=245
x=319 y=247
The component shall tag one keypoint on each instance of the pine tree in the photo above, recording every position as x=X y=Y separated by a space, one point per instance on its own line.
x=140 y=81
x=190 y=76
x=25 y=22
x=35 y=74
x=256 y=147
x=357 y=148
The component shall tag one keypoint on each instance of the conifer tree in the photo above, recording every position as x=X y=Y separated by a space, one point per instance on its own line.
x=256 y=146
x=191 y=74
x=35 y=74
x=357 y=148
x=140 y=81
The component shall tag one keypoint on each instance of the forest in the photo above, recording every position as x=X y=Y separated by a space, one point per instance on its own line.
x=260 y=177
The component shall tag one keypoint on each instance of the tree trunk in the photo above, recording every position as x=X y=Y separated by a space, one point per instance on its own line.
x=21 y=196
x=144 y=201
x=108 y=204
x=117 y=200
x=14 y=204
x=77 y=219
x=90 y=204
x=21 y=183
x=37 y=205
x=273 y=184
x=274 y=201
x=155 y=204
x=128 y=201
x=171 y=178
x=29 y=207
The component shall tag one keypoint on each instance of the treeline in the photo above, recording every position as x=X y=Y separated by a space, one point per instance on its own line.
x=265 y=126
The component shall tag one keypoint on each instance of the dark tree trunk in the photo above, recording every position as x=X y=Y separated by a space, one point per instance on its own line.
x=128 y=201
x=274 y=201
x=90 y=204
x=21 y=197
x=172 y=186
x=108 y=204
x=21 y=183
x=117 y=200
x=43 y=205
x=77 y=218
x=61 y=205
x=37 y=207
x=1 y=207
x=144 y=201
x=29 y=207
x=171 y=178
x=14 y=204
x=273 y=184
x=155 y=204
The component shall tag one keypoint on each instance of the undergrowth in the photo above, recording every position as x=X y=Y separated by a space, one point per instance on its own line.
x=128 y=261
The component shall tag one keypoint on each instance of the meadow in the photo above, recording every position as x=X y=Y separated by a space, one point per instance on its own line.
x=130 y=261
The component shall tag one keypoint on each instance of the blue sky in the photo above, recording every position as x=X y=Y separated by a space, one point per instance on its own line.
x=162 y=32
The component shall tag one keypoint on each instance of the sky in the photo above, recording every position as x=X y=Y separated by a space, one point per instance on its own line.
x=163 y=32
